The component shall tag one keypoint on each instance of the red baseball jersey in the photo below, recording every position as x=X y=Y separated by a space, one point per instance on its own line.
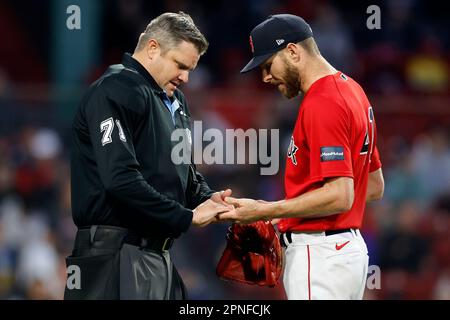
x=334 y=136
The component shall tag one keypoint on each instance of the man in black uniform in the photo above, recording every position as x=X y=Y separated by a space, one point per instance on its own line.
x=129 y=199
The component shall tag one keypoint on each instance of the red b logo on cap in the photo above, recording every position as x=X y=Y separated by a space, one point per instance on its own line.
x=251 y=44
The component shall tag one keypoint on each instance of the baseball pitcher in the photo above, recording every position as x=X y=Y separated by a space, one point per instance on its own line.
x=332 y=167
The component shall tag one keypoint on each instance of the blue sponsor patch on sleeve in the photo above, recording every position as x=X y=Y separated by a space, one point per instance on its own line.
x=331 y=153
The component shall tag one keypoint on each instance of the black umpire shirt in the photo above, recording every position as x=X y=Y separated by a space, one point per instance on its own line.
x=121 y=167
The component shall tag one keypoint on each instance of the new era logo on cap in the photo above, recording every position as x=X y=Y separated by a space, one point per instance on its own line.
x=279 y=41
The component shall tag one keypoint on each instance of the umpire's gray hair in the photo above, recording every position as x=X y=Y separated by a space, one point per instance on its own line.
x=169 y=29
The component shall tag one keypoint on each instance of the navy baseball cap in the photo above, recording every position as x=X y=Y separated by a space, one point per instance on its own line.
x=274 y=34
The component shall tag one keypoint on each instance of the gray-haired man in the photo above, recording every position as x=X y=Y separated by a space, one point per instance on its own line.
x=129 y=199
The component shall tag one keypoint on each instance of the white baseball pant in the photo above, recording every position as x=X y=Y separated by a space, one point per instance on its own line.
x=320 y=267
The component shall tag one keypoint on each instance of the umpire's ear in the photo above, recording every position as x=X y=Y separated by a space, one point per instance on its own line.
x=153 y=48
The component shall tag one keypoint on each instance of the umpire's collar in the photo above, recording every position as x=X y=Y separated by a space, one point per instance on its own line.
x=129 y=62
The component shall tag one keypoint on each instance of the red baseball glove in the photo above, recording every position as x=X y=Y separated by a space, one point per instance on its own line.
x=253 y=255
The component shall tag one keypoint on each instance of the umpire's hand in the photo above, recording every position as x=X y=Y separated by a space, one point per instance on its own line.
x=220 y=196
x=206 y=212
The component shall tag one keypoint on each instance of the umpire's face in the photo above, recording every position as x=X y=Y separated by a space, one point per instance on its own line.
x=172 y=67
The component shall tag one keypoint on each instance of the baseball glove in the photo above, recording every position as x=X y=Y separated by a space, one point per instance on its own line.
x=253 y=255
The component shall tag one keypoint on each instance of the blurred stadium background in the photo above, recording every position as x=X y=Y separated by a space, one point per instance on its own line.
x=404 y=68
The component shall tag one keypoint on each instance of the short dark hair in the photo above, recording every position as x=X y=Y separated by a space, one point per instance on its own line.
x=169 y=29
x=310 y=46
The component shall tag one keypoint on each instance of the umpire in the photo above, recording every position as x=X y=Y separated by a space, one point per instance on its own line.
x=129 y=200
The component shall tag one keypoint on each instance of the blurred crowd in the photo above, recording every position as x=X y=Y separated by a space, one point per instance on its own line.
x=404 y=68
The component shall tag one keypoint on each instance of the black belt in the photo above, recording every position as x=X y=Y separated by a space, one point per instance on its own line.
x=158 y=244
x=113 y=237
x=327 y=233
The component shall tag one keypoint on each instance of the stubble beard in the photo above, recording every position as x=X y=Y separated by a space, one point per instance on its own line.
x=291 y=80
